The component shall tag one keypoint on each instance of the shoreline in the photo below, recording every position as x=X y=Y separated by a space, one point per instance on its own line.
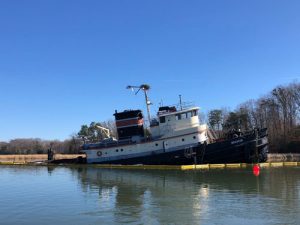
x=162 y=167
x=274 y=160
x=32 y=158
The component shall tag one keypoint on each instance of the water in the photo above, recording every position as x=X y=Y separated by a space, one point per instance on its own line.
x=87 y=195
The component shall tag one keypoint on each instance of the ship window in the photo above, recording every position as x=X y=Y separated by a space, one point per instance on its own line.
x=162 y=119
x=178 y=117
x=156 y=144
x=121 y=149
x=183 y=116
x=117 y=150
x=194 y=137
x=194 y=113
x=182 y=139
x=188 y=114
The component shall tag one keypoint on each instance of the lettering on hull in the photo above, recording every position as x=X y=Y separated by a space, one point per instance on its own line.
x=237 y=141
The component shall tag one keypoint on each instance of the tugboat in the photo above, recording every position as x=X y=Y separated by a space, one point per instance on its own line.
x=174 y=137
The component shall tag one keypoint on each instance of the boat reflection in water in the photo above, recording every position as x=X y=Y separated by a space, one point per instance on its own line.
x=193 y=197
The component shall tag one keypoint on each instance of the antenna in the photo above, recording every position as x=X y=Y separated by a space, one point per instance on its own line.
x=145 y=88
x=180 y=102
x=161 y=103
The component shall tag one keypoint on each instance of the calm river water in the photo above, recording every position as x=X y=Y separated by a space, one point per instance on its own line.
x=87 y=195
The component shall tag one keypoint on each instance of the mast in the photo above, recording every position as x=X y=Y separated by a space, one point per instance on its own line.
x=145 y=88
x=180 y=103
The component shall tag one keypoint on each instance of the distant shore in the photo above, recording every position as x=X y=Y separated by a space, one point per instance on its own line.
x=31 y=158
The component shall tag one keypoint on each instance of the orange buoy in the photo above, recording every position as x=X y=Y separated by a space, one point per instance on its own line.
x=256 y=170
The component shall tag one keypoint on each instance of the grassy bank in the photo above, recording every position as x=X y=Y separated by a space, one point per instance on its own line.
x=36 y=157
x=284 y=157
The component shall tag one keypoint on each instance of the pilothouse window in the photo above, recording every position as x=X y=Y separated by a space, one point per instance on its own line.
x=194 y=113
x=162 y=119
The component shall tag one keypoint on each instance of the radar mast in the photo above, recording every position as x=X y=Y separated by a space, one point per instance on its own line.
x=145 y=88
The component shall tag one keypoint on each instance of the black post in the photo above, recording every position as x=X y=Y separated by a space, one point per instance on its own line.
x=50 y=154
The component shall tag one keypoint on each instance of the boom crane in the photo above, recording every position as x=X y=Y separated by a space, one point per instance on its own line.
x=104 y=130
x=145 y=88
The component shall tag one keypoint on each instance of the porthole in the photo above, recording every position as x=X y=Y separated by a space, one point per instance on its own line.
x=121 y=149
x=182 y=139
x=194 y=137
x=117 y=150
x=156 y=144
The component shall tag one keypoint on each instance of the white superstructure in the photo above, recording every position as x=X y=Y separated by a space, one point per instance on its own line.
x=171 y=132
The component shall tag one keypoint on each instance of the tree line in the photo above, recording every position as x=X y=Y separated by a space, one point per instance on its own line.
x=39 y=146
x=87 y=133
x=279 y=111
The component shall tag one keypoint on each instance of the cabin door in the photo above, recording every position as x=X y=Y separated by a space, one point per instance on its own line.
x=165 y=145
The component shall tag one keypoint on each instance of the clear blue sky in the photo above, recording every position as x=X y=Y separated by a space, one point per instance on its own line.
x=67 y=63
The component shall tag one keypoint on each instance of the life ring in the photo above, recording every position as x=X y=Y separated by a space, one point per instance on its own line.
x=99 y=153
